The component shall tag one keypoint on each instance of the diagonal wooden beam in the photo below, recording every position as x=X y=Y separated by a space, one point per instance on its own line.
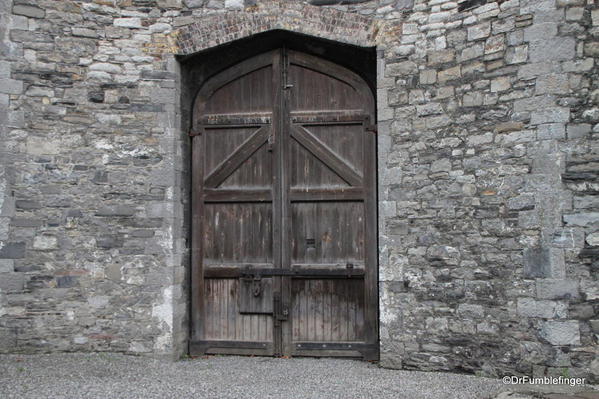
x=238 y=157
x=326 y=155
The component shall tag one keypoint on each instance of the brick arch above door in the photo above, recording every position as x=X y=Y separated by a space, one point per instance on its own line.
x=323 y=22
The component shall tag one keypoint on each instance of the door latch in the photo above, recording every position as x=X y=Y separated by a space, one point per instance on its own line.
x=257 y=286
x=283 y=314
x=281 y=310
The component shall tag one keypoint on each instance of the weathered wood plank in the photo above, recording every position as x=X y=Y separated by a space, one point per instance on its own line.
x=234 y=161
x=323 y=194
x=326 y=155
x=238 y=195
x=303 y=271
x=351 y=116
x=236 y=119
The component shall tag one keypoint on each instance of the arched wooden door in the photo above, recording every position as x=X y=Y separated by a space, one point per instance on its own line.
x=284 y=210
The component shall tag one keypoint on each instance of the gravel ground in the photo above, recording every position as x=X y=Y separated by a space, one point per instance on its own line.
x=119 y=376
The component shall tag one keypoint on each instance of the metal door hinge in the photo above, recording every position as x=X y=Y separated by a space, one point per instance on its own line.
x=368 y=125
x=194 y=131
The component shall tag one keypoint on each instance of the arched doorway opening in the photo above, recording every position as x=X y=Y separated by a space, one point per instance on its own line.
x=284 y=242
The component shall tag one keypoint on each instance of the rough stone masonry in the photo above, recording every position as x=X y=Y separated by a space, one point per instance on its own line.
x=488 y=119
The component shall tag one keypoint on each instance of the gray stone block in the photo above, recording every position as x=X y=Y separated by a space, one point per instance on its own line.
x=557 y=289
x=578 y=65
x=11 y=86
x=193 y=3
x=479 y=31
x=133 y=22
x=401 y=68
x=550 y=115
x=429 y=109
x=586 y=201
x=472 y=52
x=8 y=340
x=12 y=282
x=583 y=219
x=27 y=204
x=540 y=32
x=108 y=242
x=28 y=11
x=440 y=56
x=581 y=311
x=84 y=32
x=45 y=242
x=428 y=76
x=12 y=250
x=116 y=210
x=591 y=49
x=5 y=69
x=516 y=55
x=568 y=238
x=593 y=239
x=551 y=131
x=441 y=165
x=576 y=131
x=142 y=233
x=534 y=103
x=139 y=107
x=523 y=136
x=403 y=4
x=7 y=265
x=473 y=99
x=530 y=307
x=589 y=289
x=98 y=301
x=521 y=202
x=157 y=75
x=528 y=219
x=234 y=4
x=561 y=332
x=67 y=281
x=470 y=310
x=552 y=49
x=477 y=140
x=540 y=262
x=552 y=84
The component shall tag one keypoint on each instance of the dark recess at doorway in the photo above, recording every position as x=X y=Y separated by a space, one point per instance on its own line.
x=197 y=68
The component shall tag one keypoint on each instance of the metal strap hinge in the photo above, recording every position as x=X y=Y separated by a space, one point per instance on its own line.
x=368 y=125
x=194 y=131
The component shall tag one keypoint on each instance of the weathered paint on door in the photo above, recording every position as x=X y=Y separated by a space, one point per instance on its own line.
x=284 y=210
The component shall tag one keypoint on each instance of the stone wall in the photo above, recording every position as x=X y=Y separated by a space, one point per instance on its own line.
x=95 y=254
x=481 y=265
x=487 y=120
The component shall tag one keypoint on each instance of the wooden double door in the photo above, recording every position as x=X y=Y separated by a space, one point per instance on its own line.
x=284 y=210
